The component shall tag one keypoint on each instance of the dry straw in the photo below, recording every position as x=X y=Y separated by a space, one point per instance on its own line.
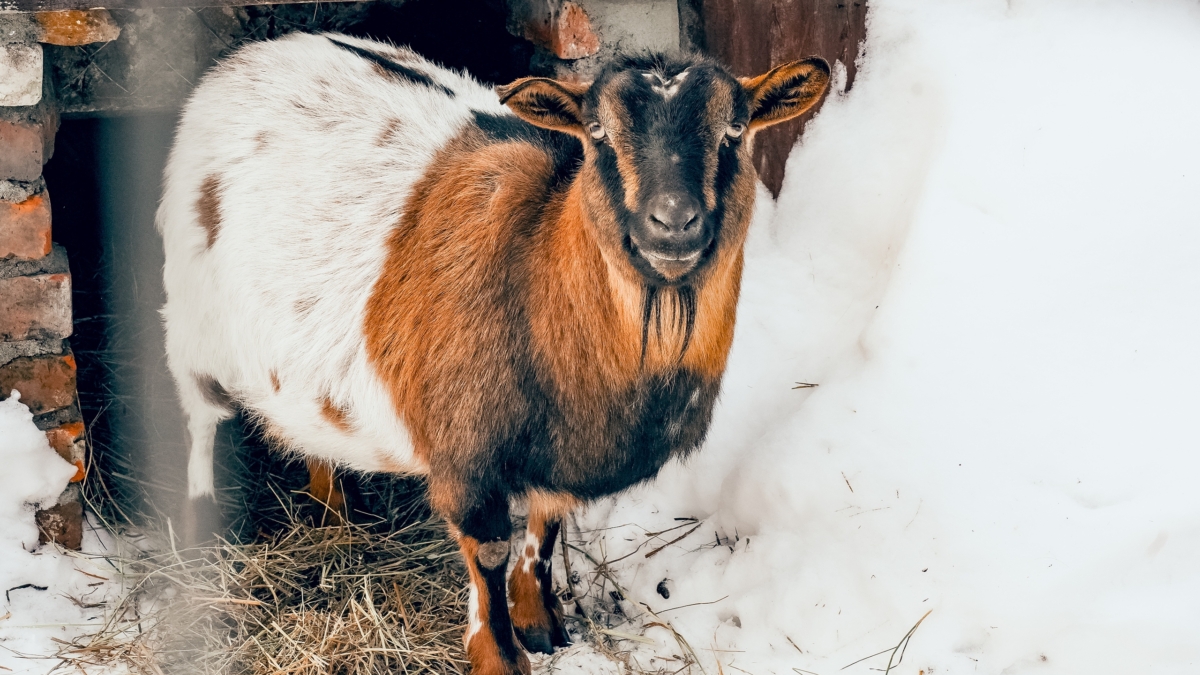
x=353 y=599
x=307 y=600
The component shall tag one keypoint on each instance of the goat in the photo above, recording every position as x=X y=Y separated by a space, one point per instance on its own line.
x=521 y=293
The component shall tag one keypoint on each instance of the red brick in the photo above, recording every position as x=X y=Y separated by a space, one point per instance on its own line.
x=74 y=27
x=62 y=524
x=567 y=32
x=46 y=382
x=67 y=440
x=573 y=36
x=25 y=227
x=35 y=307
x=21 y=150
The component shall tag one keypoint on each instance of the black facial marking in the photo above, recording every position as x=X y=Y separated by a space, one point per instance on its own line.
x=398 y=70
x=672 y=140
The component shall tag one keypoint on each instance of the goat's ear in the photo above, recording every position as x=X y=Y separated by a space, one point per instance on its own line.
x=546 y=103
x=786 y=91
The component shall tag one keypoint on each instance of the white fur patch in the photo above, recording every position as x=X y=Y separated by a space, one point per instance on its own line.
x=316 y=157
x=474 y=621
x=666 y=87
x=530 y=556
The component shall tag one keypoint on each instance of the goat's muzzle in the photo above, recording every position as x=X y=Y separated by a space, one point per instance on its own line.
x=673 y=236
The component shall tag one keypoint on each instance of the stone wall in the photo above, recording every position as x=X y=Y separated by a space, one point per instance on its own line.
x=35 y=280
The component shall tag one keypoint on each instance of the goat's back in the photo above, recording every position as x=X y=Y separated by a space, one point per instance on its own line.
x=292 y=164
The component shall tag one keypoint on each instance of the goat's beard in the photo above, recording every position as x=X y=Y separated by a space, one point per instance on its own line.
x=656 y=300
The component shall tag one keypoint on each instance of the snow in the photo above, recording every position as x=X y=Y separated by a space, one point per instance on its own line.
x=40 y=581
x=985 y=255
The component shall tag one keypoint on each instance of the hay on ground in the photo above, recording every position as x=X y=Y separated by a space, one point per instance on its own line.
x=307 y=600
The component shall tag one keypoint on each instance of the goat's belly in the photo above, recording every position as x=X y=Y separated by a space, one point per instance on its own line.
x=351 y=436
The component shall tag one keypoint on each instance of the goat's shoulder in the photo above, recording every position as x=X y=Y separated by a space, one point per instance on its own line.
x=495 y=182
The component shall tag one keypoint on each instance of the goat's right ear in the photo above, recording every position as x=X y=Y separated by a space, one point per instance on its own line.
x=546 y=103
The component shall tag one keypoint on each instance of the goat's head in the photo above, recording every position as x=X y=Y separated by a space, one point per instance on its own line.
x=667 y=150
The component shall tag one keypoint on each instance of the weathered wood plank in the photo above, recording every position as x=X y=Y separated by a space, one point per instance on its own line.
x=754 y=35
x=52 y=5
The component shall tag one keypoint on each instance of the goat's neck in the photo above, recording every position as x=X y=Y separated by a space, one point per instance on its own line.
x=588 y=312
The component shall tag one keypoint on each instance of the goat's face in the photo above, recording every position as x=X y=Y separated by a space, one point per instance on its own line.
x=667 y=145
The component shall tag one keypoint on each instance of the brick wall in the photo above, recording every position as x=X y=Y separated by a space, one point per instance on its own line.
x=35 y=280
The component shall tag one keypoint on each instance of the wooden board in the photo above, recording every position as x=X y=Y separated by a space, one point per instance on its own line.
x=51 y=5
x=751 y=36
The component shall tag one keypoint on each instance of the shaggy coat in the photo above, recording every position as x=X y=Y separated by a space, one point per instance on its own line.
x=526 y=292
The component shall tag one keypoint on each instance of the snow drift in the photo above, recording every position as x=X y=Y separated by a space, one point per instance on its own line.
x=985 y=255
x=48 y=595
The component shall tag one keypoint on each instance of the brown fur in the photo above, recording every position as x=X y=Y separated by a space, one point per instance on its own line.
x=524 y=590
x=525 y=594
x=334 y=415
x=507 y=286
x=208 y=208
x=719 y=102
x=304 y=305
x=274 y=381
x=381 y=71
x=430 y=347
x=323 y=487
x=810 y=80
x=586 y=307
x=389 y=132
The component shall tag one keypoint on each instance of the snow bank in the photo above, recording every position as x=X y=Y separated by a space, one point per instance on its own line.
x=986 y=256
x=39 y=582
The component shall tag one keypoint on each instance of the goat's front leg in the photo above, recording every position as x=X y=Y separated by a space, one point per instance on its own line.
x=482 y=529
x=537 y=613
x=325 y=489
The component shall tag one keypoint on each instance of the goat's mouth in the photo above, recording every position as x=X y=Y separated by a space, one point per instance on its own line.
x=671 y=265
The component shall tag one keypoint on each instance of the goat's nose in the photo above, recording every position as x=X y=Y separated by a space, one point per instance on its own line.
x=674 y=213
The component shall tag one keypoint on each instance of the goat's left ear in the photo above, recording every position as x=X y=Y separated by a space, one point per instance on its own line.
x=546 y=103
x=786 y=91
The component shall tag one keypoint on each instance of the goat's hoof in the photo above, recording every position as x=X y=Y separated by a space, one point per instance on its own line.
x=536 y=639
x=559 y=637
x=494 y=664
x=543 y=640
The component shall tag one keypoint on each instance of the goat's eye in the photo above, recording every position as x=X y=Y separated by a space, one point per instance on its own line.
x=596 y=130
x=735 y=130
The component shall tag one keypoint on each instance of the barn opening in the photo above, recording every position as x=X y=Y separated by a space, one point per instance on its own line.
x=119 y=105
